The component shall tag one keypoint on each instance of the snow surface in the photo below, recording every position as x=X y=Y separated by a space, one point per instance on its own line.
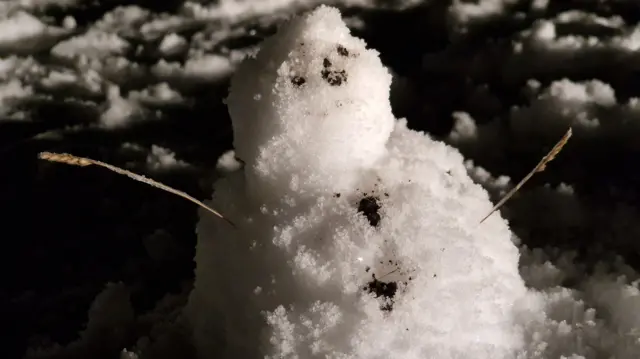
x=313 y=124
x=312 y=162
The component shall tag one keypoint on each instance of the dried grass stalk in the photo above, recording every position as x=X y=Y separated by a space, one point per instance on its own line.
x=83 y=162
x=541 y=166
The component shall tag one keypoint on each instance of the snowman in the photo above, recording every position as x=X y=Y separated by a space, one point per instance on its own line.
x=356 y=236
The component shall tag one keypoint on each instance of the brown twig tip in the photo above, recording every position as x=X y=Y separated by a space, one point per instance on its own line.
x=554 y=151
x=65 y=158
x=541 y=166
x=70 y=159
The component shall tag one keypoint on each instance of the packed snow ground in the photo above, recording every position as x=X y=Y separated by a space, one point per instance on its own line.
x=508 y=98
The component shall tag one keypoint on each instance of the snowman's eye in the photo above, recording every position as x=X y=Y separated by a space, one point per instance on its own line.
x=298 y=81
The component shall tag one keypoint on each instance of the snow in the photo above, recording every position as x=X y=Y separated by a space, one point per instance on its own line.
x=172 y=44
x=163 y=159
x=22 y=32
x=159 y=94
x=119 y=112
x=35 y=4
x=318 y=152
x=328 y=187
x=465 y=13
x=228 y=162
x=203 y=68
x=315 y=82
x=571 y=324
x=95 y=44
x=10 y=93
x=125 y=19
x=308 y=248
x=85 y=84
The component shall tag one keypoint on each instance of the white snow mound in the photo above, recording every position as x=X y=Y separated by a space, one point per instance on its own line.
x=357 y=237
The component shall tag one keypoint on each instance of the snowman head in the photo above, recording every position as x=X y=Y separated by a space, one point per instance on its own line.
x=312 y=106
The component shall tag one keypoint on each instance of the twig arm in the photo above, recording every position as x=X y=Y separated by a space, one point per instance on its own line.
x=83 y=162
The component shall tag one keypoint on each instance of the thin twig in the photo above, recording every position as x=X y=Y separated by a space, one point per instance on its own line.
x=389 y=273
x=539 y=168
x=83 y=162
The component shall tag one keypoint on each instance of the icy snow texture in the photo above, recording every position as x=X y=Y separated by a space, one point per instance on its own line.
x=314 y=127
x=22 y=32
x=600 y=320
x=313 y=107
x=163 y=159
x=546 y=49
